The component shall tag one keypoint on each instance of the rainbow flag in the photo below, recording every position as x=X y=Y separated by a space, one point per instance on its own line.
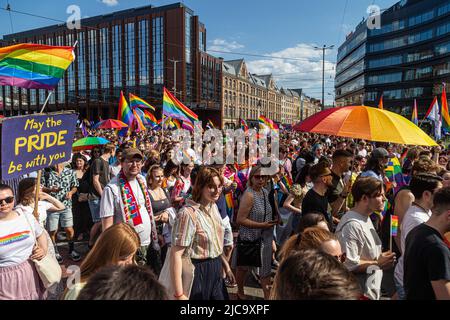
x=136 y=102
x=176 y=123
x=125 y=114
x=394 y=226
x=415 y=118
x=172 y=107
x=244 y=125
x=444 y=111
x=287 y=181
x=84 y=129
x=139 y=120
x=230 y=203
x=188 y=126
x=210 y=124
x=150 y=118
x=267 y=122
x=34 y=66
x=394 y=173
x=381 y=106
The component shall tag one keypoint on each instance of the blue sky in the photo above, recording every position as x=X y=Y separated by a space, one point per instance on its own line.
x=283 y=28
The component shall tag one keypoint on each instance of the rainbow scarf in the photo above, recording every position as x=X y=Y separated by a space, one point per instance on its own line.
x=173 y=107
x=132 y=214
x=136 y=102
x=34 y=66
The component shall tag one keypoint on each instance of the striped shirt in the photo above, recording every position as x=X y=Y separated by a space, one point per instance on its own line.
x=200 y=229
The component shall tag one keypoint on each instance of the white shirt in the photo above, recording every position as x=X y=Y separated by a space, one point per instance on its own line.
x=414 y=216
x=17 y=239
x=111 y=205
x=360 y=241
x=43 y=207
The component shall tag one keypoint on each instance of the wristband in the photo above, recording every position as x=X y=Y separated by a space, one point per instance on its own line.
x=178 y=296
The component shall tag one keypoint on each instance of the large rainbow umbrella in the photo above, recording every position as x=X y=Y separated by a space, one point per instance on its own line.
x=111 y=124
x=368 y=123
x=88 y=143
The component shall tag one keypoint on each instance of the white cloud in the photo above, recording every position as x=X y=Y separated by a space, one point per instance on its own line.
x=224 y=45
x=110 y=3
x=300 y=68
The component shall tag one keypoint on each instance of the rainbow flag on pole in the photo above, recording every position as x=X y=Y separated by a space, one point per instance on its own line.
x=244 y=125
x=172 y=107
x=125 y=114
x=444 y=111
x=210 y=124
x=138 y=122
x=394 y=173
x=188 y=126
x=415 y=117
x=150 y=118
x=267 y=122
x=394 y=226
x=34 y=66
x=136 y=102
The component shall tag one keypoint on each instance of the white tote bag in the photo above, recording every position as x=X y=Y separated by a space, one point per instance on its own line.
x=48 y=267
x=187 y=275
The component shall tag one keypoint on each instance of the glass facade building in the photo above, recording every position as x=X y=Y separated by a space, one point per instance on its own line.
x=407 y=59
x=125 y=51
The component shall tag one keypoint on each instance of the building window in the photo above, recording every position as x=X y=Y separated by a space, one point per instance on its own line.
x=424 y=17
x=385 y=78
x=104 y=58
x=143 y=57
x=444 y=9
x=130 y=57
x=117 y=59
x=93 y=72
x=158 y=50
x=388 y=61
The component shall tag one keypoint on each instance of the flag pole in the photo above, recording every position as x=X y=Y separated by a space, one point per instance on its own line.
x=390 y=238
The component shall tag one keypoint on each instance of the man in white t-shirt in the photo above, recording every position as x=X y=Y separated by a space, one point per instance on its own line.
x=423 y=187
x=359 y=239
x=125 y=199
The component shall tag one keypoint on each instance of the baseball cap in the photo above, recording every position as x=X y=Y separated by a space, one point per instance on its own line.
x=380 y=153
x=131 y=153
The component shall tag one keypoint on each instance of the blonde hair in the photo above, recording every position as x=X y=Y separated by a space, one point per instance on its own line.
x=114 y=244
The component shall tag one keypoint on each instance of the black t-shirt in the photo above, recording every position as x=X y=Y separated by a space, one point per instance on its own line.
x=314 y=202
x=427 y=258
x=99 y=167
x=334 y=191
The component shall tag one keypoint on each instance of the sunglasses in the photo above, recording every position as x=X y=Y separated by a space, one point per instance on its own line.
x=341 y=258
x=7 y=200
x=257 y=177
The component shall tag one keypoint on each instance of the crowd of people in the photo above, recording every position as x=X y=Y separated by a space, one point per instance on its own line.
x=319 y=228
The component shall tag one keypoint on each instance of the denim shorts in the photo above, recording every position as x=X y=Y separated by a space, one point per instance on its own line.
x=64 y=217
x=94 y=206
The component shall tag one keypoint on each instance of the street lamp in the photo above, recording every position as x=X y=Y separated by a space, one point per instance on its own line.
x=324 y=48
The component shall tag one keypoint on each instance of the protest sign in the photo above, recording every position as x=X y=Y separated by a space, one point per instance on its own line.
x=34 y=142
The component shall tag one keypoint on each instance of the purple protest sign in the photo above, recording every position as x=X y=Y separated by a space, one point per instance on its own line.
x=34 y=142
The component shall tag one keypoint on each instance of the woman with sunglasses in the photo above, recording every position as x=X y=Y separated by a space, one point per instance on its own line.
x=255 y=220
x=21 y=240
